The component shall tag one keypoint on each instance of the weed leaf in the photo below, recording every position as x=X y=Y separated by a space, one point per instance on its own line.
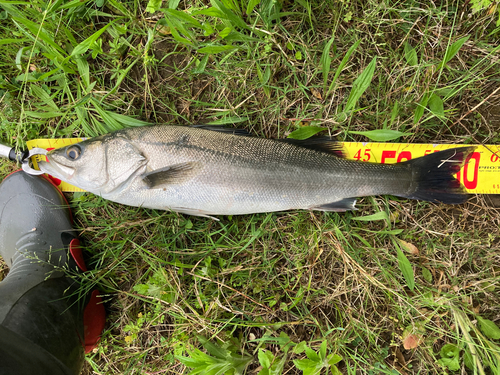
x=300 y=347
x=40 y=115
x=322 y=350
x=305 y=132
x=153 y=6
x=449 y=357
x=468 y=359
x=436 y=105
x=412 y=336
x=264 y=359
x=381 y=215
x=126 y=120
x=452 y=51
x=333 y=359
x=311 y=354
x=175 y=25
x=87 y=43
x=228 y=120
x=427 y=275
x=11 y=41
x=201 y=66
x=410 y=55
x=213 y=49
x=172 y=4
x=304 y=364
x=406 y=269
x=251 y=5
x=360 y=85
x=83 y=69
x=489 y=328
x=213 y=349
x=183 y=16
x=419 y=112
x=44 y=97
x=229 y=14
x=381 y=135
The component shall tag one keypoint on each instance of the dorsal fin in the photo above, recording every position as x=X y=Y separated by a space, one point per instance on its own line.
x=223 y=129
x=322 y=144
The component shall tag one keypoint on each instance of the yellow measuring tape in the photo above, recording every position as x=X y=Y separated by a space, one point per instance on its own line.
x=481 y=175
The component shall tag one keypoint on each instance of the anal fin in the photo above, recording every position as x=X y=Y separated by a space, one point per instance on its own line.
x=193 y=212
x=346 y=204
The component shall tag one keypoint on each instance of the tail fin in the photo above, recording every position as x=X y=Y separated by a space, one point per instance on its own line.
x=433 y=176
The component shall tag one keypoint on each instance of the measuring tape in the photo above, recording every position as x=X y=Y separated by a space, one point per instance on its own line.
x=481 y=175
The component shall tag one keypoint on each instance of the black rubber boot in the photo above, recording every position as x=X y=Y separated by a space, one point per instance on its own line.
x=45 y=326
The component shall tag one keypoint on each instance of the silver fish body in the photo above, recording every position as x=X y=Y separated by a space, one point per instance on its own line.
x=204 y=172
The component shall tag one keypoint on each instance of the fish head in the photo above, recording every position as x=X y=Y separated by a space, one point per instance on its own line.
x=99 y=165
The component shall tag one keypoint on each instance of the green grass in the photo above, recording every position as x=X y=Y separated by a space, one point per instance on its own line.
x=258 y=285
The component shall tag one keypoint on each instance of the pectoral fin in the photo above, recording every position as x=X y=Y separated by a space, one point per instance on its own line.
x=173 y=174
x=343 y=205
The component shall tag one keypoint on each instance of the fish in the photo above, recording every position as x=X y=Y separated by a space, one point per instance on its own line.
x=203 y=171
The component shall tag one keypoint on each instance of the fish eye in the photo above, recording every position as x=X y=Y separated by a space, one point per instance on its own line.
x=73 y=152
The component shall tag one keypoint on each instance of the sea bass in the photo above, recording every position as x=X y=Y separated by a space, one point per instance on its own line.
x=203 y=172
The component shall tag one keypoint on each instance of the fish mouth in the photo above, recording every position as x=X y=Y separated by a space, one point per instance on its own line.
x=56 y=169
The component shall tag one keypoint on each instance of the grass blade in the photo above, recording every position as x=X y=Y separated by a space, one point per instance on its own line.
x=326 y=61
x=343 y=63
x=360 y=85
x=83 y=69
x=38 y=32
